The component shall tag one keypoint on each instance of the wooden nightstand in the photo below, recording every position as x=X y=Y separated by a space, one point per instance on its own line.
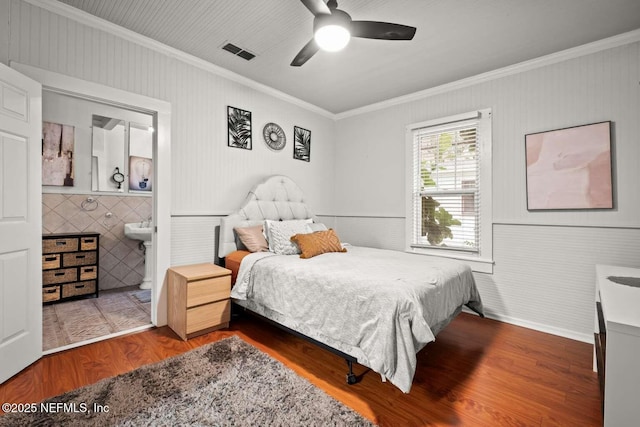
x=198 y=299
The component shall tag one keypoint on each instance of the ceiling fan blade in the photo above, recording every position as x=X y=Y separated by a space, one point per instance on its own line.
x=381 y=30
x=305 y=53
x=317 y=7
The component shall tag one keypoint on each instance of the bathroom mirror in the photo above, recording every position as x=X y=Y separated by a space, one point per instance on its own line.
x=108 y=150
x=140 y=158
x=121 y=156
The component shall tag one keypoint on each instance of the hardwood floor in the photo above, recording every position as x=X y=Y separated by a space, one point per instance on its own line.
x=479 y=372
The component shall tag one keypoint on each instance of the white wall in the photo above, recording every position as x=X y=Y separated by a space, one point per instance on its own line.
x=543 y=276
x=209 y=178
x=544 y=270
x=4 y=32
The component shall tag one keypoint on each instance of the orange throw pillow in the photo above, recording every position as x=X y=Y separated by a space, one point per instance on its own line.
x=317 y=243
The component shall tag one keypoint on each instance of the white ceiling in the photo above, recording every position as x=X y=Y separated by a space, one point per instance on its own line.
x=454 y=39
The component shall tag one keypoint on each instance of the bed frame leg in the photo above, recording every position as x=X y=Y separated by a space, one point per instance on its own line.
x=478 y=312
x=351 y=377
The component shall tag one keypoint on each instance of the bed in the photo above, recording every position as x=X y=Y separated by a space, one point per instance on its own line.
x=371 y=306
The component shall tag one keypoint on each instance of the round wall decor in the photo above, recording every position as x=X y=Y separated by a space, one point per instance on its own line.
x=274 y=136
x=118 y=177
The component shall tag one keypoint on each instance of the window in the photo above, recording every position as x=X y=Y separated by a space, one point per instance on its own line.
x=449 y=186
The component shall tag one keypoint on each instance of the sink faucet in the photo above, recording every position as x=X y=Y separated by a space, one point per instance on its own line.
x=146 y=222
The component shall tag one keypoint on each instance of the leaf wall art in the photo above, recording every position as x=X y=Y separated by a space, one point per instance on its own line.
x=301 y=144
x=239 y=128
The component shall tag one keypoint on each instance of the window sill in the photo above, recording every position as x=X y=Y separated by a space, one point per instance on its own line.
x=477 y=264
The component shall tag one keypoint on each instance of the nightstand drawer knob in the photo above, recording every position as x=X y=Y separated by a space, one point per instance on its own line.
x=61 y=273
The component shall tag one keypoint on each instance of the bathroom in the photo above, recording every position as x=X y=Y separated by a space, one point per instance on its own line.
x=97 y=177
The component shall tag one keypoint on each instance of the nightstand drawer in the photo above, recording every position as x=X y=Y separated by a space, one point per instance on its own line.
x=50 y=262
x=69 y=244
x=79 y=288
x=79 y=258
x=208 y=316
x=208 y=290
x=59 y=276
x=50 y=293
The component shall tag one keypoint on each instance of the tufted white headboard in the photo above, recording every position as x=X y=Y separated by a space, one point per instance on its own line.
x=276 y=198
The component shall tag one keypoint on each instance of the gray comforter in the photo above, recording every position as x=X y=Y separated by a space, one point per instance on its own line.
x=377 y=305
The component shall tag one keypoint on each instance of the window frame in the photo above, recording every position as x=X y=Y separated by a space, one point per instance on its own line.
x=482 y=260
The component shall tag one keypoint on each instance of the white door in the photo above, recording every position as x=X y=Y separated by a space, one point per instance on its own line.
x=20 y=222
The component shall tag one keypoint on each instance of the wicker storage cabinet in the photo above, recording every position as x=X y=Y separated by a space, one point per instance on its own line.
x=69 y=266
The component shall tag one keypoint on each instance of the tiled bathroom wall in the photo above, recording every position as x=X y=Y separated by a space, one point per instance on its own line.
x=121 y=259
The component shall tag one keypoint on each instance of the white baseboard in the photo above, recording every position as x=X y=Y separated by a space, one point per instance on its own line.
x=587 y=338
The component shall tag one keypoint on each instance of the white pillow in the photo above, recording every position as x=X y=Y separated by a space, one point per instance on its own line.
x=316 y=226
x=279 y=235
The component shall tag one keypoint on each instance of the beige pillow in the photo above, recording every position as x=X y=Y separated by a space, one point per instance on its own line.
x=320 y=242
x=252 y=238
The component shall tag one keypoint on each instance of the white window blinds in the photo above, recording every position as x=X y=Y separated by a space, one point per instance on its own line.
x=446 y=196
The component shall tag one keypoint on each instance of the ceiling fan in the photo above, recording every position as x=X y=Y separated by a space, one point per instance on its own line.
x=333 y=28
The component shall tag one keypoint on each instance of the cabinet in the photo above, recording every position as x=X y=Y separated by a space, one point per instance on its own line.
x=617 y=333
x=69 y=266
x=199 y=299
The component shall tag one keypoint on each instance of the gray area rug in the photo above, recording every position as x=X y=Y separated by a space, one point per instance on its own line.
x=226 y=383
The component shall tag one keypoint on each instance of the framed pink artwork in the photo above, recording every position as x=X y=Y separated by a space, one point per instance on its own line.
x=570 y=168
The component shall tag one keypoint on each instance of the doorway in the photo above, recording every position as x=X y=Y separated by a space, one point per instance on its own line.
x=160 y=112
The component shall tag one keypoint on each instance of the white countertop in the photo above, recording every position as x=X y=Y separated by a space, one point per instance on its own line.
x=620 y=303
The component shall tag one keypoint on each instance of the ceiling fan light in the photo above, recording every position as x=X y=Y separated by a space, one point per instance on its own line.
x=332 y=38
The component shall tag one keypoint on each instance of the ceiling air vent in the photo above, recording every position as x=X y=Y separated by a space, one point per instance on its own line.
x=238 y=51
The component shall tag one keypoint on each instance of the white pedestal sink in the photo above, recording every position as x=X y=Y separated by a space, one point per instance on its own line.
x=142 y=231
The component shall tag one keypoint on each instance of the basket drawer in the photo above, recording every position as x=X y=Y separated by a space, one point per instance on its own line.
x=89 y=272
x=88 y=243
x=50 y=262
x=59 y=276
x=50 y=293
x=79 y=258
x=51 y=246
x=78 y=288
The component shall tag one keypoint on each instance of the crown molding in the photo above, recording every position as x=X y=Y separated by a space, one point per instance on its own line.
x=85 y=18
x=554 y=58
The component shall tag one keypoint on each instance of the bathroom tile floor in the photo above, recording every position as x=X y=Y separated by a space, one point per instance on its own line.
x=113 y=311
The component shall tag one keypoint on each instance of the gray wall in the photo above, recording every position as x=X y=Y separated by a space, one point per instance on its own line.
x=544 y=261
x=209 y=178
x=544 y=274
